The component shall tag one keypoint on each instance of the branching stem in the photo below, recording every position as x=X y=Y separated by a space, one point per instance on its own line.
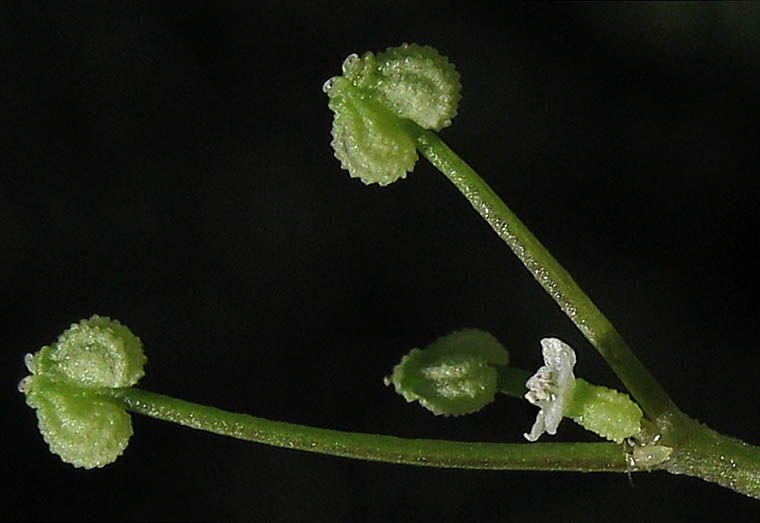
x=555 y=280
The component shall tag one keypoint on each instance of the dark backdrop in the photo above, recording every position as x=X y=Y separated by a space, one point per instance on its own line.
x=168 y=164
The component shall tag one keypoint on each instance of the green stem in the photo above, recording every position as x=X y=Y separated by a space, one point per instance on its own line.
x=555 y=280
x=701 y=452
x=697 y=450
x=583 y=457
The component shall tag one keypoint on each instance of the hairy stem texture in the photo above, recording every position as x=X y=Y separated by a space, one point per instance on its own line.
x=548 y=272
x=701 y=452
x=582 y=457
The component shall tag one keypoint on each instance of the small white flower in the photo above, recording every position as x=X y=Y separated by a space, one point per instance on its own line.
x=551 y=387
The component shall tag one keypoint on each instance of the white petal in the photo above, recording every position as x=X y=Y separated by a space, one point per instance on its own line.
x=538 y=427
x=557 y=353
x=551 y=387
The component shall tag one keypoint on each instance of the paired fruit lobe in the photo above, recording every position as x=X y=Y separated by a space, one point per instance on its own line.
x=82 y=427
x=452 y=376
x=377 y=97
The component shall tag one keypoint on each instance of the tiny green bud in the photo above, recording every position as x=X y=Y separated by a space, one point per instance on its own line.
x=648 y=456
x=645 y=450
x=607 y=412
x=373 y=97
x=98 y=352
x=78 y=425
x=452 y=376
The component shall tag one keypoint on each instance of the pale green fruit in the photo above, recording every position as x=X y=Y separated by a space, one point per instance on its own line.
x=98 y=352
x=84 y=431
x=452 y=376
x=375 y=101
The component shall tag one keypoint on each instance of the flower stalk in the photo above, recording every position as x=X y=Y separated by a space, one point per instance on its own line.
x=548 y=272
x=580 y=457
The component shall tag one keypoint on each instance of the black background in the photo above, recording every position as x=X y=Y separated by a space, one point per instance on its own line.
x=168 y=164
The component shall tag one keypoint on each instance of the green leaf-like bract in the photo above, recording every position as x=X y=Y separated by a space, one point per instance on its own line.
x=374 y=95
x=452 y=376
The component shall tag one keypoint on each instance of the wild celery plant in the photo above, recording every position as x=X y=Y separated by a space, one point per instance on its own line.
x=386 y=109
